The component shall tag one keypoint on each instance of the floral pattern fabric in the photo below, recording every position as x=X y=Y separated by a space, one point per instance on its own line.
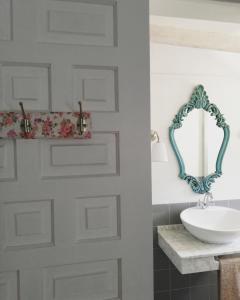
x=44 y=125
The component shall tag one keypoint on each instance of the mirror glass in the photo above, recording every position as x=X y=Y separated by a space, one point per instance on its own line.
x=199 y=141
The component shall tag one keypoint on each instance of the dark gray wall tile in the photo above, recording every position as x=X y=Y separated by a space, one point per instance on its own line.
x=234 y=204
x=160 y=214
x=175 y=210
x=162 y=296
x=214 y=292
x=213 y=277
x=161 y=280
x=222 y=203
x=178 y=280
x=199 y=293
x=182 y=294
x=197 y=279
x=192 y=204
x=160 y=260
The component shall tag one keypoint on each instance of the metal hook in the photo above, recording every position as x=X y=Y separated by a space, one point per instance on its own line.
x=81 y=124
x=25 y=124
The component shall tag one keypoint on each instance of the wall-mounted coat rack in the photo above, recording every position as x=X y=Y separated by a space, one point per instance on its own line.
x=50 y=125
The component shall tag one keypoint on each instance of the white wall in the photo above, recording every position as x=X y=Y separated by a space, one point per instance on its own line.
x=175 y=71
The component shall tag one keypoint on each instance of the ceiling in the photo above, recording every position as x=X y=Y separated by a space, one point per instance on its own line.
x=195 y=33
x=211 y=10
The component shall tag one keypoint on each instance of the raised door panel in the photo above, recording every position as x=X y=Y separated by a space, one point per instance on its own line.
x=28 y=224
x=8 y=164
x=76 y=22
x=5 y=20
x=9 y=285
x=98 y=156
x=85 y=281
x=96 y=87
x=25 y=82
x=97 y=218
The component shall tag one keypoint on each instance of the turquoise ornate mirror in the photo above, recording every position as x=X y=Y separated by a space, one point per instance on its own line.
x=199 y=100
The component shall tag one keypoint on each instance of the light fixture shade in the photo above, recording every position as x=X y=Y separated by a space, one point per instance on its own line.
x=159 y=152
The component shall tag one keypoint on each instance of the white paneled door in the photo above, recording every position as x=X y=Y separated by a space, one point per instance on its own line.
x=75 y=216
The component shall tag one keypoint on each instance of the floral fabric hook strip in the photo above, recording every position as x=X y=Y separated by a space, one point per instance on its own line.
x=51 y=125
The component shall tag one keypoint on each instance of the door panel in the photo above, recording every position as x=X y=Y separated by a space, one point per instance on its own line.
x=70 y=22
x=75 y=216
x=5 y=20
x=95 y=157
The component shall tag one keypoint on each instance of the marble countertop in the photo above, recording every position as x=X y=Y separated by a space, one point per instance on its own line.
x=189 y=254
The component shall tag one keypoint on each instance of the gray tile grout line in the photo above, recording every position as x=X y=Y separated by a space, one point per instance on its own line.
x=197 y=286
x=162 y=269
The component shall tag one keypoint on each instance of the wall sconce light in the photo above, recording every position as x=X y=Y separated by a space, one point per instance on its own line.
x=159 y=150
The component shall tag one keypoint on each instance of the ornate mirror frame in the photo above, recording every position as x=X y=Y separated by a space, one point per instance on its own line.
x=199 y=100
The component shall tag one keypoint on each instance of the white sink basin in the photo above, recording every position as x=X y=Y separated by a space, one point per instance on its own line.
x=214 y=224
